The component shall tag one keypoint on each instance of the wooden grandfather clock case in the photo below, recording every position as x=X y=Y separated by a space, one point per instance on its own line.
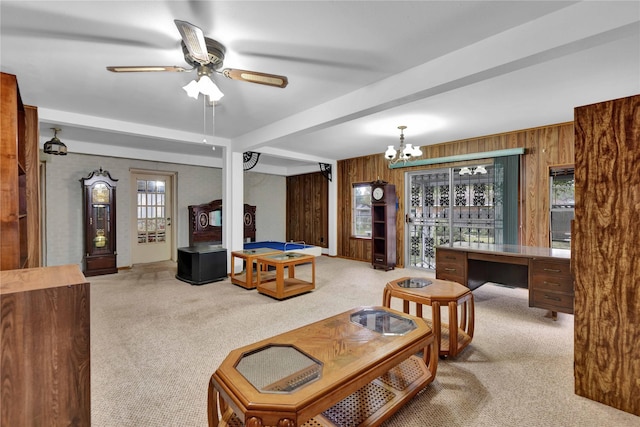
x=383 y=225
x=99 y=211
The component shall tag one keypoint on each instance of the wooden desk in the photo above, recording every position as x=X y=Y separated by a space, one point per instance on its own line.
x=285 y=287
x=246 y=278
x=356 y=368
x=545 y=272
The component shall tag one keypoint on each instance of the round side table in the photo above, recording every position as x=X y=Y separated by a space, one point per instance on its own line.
x=451 y=337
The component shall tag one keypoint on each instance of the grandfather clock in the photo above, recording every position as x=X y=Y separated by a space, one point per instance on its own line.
x=99 y=211
x=383 y=225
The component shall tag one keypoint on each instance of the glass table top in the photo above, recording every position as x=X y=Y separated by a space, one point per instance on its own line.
x=383 y=322
x=259 y=251
x=414 y=283
x=279 y=368
x=284 y=256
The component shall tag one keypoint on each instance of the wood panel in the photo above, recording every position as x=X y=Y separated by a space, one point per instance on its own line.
x=32 y=165
x=45 y=351
x=10 y=241
x=544 y=146
x=19 y=180
x=307 y=209
x=606 y=253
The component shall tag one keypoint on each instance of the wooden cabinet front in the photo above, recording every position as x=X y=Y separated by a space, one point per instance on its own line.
x=45 y=353
x=451 y=265
x=551 y=285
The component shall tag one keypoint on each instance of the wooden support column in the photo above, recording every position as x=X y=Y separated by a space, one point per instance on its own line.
x=606 y=253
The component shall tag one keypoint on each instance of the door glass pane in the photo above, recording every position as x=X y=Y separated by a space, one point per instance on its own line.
x=451 y=205
x=151 y=211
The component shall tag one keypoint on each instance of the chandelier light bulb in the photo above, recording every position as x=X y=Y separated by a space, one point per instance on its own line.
x=390 y=153
x=192 y=89
x=207 y=87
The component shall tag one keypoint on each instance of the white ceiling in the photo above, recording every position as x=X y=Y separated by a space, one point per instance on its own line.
x=448 y=70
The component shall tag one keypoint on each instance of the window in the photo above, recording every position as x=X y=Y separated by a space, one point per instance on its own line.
x=562 y=207
x=151 y=211
x=361 y=210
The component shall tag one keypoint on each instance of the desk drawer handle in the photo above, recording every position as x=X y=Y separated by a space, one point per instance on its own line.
x=551 y=298
x=552 y=270
x=449 y=269
x=551 y=283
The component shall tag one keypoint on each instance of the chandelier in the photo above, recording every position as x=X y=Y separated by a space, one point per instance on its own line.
x=473 y=171
x=403 y=153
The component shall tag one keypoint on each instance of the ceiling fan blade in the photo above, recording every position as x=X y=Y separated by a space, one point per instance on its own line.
x=193 y=38
x=147 y=68
x=256 y=77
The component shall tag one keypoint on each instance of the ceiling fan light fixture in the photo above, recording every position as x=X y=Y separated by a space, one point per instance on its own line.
x=207 y=87
x=204 y=85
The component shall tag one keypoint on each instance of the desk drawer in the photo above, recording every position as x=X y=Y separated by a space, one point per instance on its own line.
x=445 y=256
x=551 y=275
x=451 y=265
x=552 y=301
x=552 y=268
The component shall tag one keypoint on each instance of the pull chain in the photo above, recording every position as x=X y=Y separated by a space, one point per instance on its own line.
x=204 y=118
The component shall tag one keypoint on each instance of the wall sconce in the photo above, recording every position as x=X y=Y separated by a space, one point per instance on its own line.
x=54 y=145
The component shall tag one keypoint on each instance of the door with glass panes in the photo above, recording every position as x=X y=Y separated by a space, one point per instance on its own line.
x=151 y=227
x=451 y=205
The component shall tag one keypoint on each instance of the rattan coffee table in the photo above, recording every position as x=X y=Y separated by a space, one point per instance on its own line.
x=451 y=337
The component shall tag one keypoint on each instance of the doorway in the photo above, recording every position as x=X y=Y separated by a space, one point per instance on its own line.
x=448 y=206
x=152 y=208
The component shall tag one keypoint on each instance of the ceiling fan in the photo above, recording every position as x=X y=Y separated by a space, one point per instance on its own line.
x=206 y=56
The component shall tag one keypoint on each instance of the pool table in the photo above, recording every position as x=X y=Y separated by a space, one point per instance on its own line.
x=299 y=247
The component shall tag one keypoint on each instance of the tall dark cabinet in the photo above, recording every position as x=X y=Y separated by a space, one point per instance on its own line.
x=383 y=226
x=99 y=198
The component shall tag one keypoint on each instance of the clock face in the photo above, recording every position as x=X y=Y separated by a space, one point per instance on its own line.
x=378 y=193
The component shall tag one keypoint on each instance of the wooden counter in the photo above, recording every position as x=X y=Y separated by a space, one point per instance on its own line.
x=45 y=352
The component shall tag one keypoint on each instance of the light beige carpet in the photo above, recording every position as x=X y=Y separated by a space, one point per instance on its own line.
x=155 y=341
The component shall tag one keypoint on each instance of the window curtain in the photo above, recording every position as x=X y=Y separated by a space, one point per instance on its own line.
x=507 y=182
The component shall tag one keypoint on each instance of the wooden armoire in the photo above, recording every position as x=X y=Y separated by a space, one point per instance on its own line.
x=605 y=253
x=19 y=180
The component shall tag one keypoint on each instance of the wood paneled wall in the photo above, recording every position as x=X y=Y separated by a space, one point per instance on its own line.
x=606 y=253
x=307 y=209
x=544 y=147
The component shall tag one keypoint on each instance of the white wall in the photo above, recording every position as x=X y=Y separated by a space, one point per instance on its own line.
x=269 y=194
x=195 y=185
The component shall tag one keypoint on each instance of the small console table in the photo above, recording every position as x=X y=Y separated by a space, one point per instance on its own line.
x=546 y=272
x=284 y=287
x=247 y=279
x=452 y=337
